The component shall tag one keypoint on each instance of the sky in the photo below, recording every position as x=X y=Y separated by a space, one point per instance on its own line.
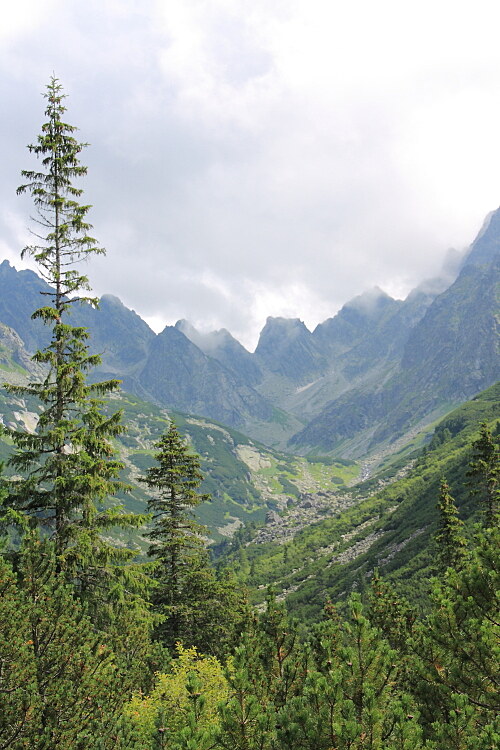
x=254 y=158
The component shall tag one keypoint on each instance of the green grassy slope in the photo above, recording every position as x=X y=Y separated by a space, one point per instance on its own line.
x=388 y=524
x=244 y=478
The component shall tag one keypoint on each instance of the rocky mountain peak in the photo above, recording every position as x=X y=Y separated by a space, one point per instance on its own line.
x=486 y=246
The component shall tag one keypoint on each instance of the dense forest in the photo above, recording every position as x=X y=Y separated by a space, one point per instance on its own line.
x=102 y=648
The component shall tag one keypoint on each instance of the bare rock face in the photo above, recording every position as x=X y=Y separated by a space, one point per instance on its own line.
x=178 y=374
x=449 y=353
x=286 y=347
x=272 y=517
x=223 y=347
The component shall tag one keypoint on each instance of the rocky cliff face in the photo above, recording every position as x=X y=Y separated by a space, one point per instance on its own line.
x=177 y=373
x=20 y=295
x=286 y=347
x=223 y=347
x=166 y=368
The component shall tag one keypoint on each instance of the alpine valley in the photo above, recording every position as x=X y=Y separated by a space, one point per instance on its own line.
x=305 y=442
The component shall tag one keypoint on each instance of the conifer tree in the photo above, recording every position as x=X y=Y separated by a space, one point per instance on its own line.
x=282 y=659
x=177 y=542
x=484 y=470
x=68 y=465
x=59 y=683
x=351 y=699
x=449 y=536
x=247 y=718
x=390 y=612
x=457 y=647
x=197 y=607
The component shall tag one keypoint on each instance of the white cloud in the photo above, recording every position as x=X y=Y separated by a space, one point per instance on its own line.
x=264 y=158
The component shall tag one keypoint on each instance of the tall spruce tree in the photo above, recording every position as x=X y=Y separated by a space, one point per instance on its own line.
x=68 y=466
x=177 y=542
x=198 y=607
x=449 y=536
x=484 y=471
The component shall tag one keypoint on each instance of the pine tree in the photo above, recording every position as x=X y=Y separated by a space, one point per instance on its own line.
x=351 y=699
x=247 y=718
x=68 y=466
x=390 y=612
x=60 y=686
x=283 y=660
x=449 y=536
x=457 y=647
x=484 y=469
x=177 y=542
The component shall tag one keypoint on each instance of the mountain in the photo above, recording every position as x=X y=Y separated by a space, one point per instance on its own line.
x=376 y=371
x=286 y=347
x=178 y=374
x=118 y=333
x=449 y=353
x=356 y=322
x=223 y=347
x=20 y=294
x=245 y=479
x=166 y=368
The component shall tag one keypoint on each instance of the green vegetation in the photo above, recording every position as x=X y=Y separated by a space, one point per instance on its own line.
x=389 y=524
x=67 y=467
x=241 y=493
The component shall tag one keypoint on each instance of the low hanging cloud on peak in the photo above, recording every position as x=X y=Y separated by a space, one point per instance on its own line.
x=263 y=159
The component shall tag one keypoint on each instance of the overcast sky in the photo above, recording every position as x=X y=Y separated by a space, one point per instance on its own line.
x=260 y=157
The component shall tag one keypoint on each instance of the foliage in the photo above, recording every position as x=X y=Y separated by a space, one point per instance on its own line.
x=398 y=542
x=169 y=705
x=77 y=669
x=484 y=471
x=68 y=466
x=457 y=645
x=60 y=685
x=449 y=536
x=192 y=601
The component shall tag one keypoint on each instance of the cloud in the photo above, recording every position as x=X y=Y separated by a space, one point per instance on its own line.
x=255 y=159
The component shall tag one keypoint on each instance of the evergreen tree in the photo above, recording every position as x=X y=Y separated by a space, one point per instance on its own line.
x=60 y=685
x=197 y=607
x=281 y=656
x=457 y=647
x=351 y=699
x=449 y=536
x=484 y=469
x=247 y=718
x=390 y=612
x=68 y=466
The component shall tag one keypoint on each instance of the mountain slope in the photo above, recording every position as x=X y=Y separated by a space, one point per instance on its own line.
x=166 y=368
x=378 y=370
x=178 y=374
x=388 y=524
x=225 y=349
x=246 y=479
x=449 y=355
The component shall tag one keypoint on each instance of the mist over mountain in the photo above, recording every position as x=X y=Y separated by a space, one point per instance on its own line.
x=448 y=350
x=223 y=347
x=370 y=373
